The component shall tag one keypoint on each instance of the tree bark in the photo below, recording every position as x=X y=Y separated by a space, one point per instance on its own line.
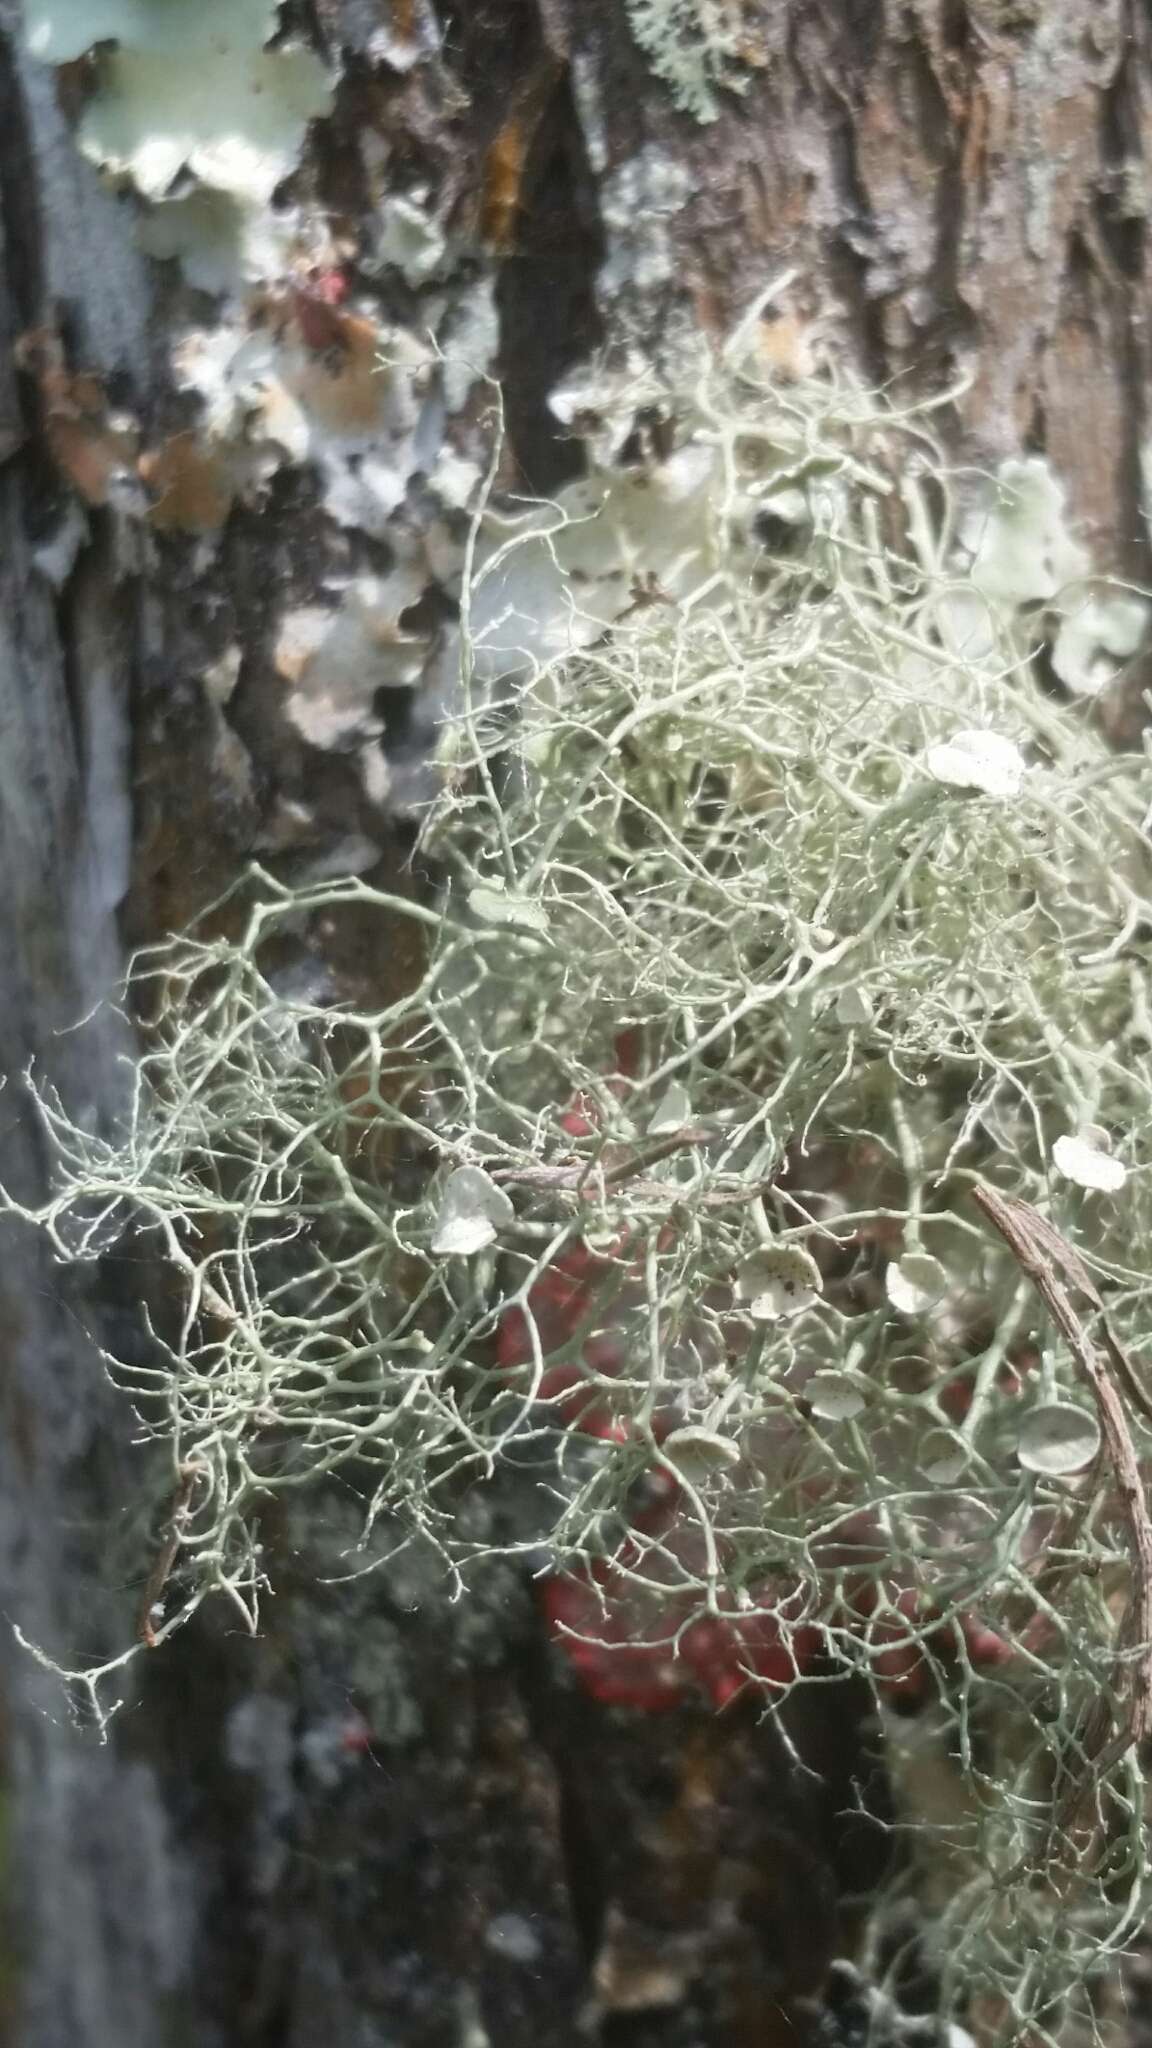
x=391 y=1819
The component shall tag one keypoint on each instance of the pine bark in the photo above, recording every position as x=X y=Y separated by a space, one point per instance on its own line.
x=960 y=192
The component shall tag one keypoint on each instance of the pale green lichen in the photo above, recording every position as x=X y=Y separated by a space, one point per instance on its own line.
x=187 y=89
x=873 y=906
x=1028 y=575
x=698 y=47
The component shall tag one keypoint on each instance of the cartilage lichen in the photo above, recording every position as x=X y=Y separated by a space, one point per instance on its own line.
x=783 y=904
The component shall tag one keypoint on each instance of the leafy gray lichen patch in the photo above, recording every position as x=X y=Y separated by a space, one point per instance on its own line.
x=187 y=89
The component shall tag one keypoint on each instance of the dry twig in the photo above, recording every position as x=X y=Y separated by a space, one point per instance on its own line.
x=1058 y=1274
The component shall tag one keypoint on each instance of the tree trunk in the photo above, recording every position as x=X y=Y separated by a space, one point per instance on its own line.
x=391 y=1819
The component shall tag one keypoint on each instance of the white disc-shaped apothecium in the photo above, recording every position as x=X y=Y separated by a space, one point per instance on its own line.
x=915 y=1283
x=778 y=1281
x=1085 y=1159
x=1057 y=1439
x=984 y=762
x=472 y=1211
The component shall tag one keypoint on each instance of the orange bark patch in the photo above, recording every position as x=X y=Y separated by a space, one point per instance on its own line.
x=341 y=383
x=506 y=157
x=84 y=444
x=785 y=344
x=194 y=485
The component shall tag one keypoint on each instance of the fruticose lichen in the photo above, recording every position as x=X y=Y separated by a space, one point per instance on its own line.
x=782 y=906
x=698 y=47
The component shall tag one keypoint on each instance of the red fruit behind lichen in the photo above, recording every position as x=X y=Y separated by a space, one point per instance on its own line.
x=632 y=1642
x=633 y=1645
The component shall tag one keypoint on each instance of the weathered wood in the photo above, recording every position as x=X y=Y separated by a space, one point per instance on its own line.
x=92 y=1877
